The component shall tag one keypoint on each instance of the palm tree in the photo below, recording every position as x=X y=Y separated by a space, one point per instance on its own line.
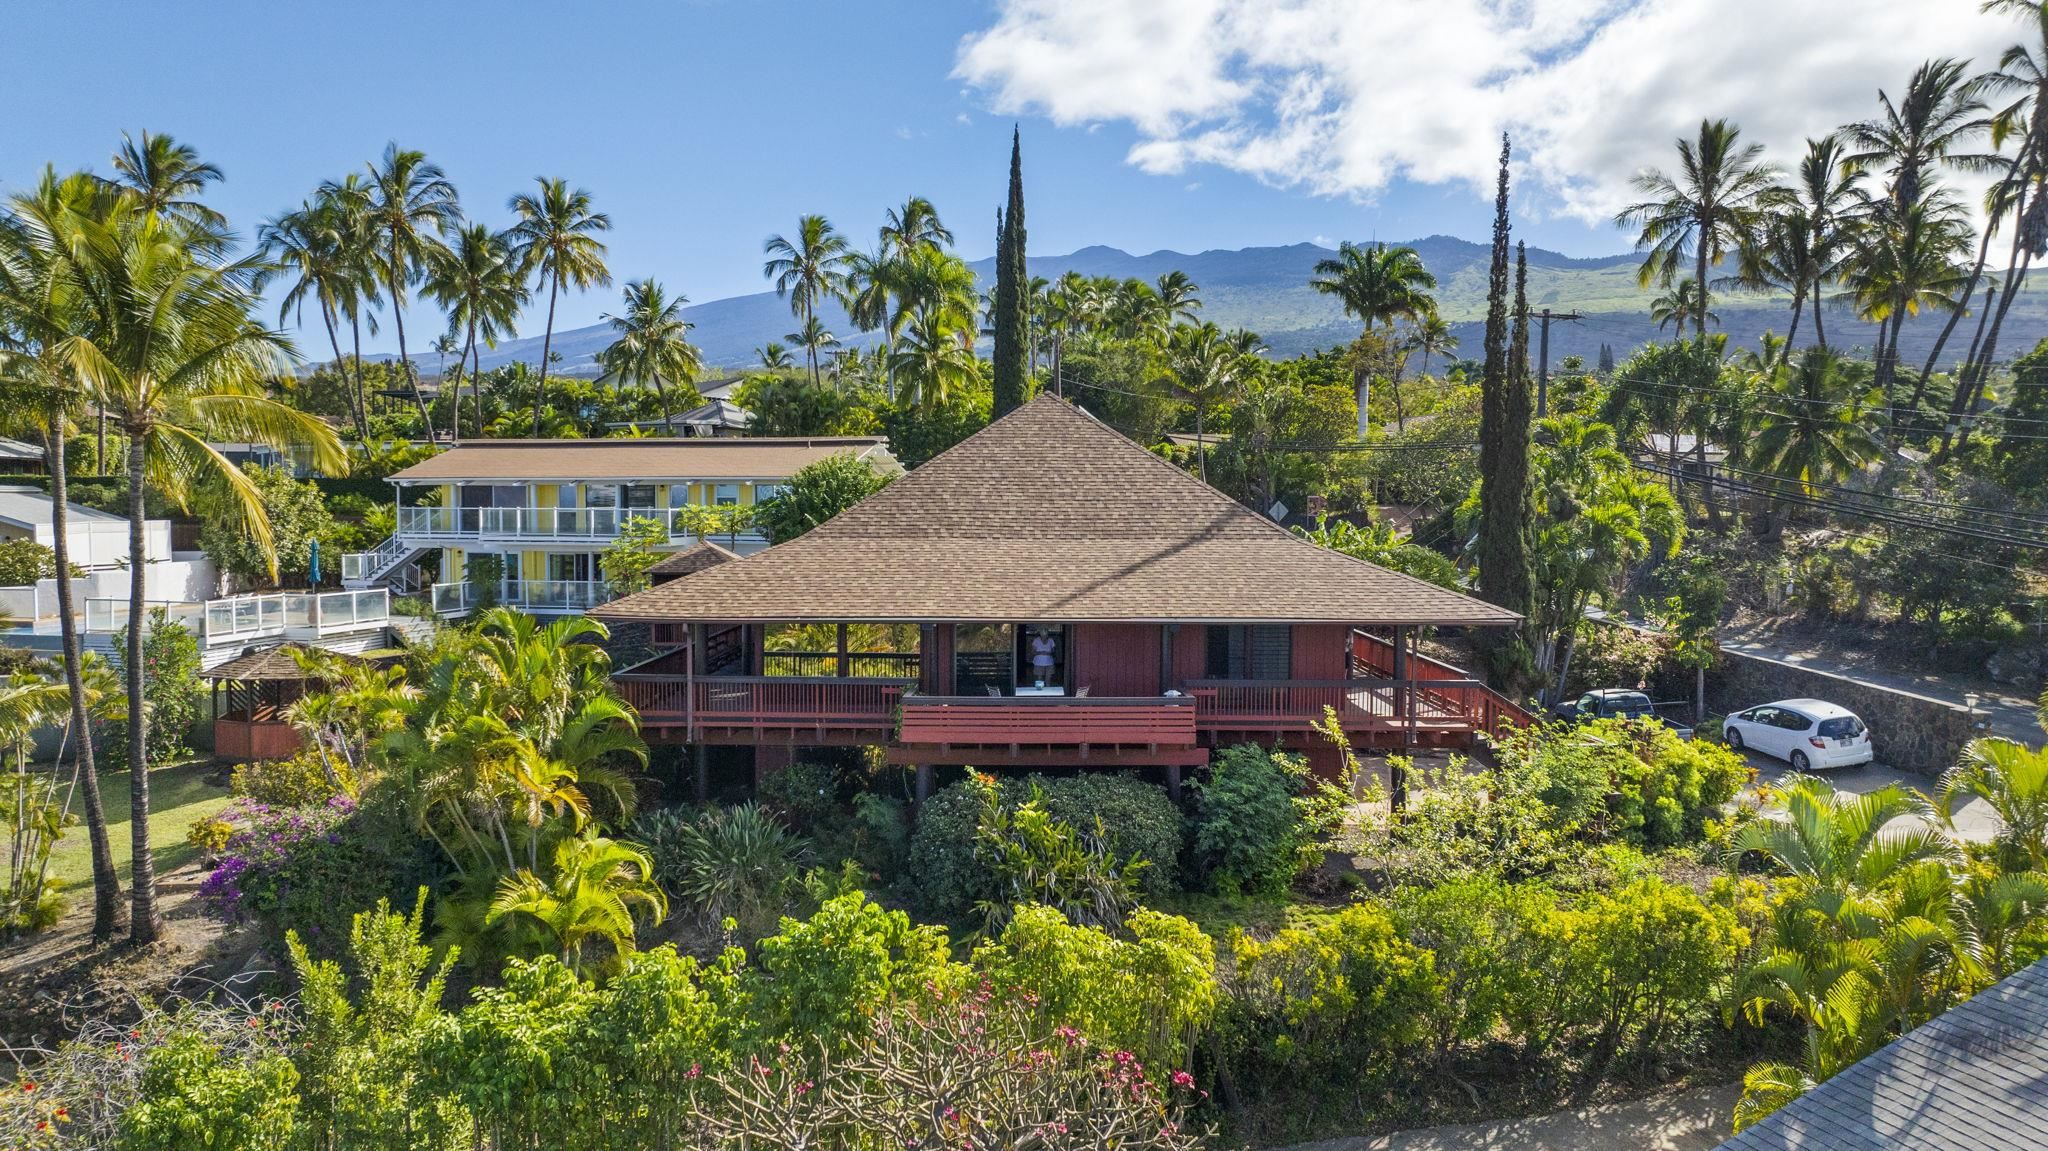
x=1943 y=113
x=343 y=209
x=774 y=357
x=306 y=245
x=169 y=177
x=40 y=306
x=814 y=338
x=1376 y=285
x=411 y=204
x=167 y=341
x=596 y=887
x=1180 y=297
x=1710 y=210
x=652 y=344
x=1816 y=420
x=1679 y=305
x=478 y=282
x=1432 y=336
x=1205 y=367
x=916 y=224
x=556 y=236
x=2013 y=779
x=934 y=359
x=1907 y=260
x=808 y=270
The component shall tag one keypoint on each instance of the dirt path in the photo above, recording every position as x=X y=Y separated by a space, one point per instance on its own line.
x=1693 y=1120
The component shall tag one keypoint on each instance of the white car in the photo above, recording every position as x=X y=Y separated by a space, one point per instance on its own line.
x=1807 y=733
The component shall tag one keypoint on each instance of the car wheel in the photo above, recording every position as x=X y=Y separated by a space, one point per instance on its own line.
x=1734 y=739
x=1800 y=763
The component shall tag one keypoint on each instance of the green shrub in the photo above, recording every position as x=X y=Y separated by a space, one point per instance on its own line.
x=1034 y=858
x=1665 y=792
x=196 y=1099
x=1339 y=1002
x=412 y=605
x=1643 y=959
x=722 y=863
x=1150 y=994
x=301 y=781
x=820 y=978
x=1248 y=837
x=1490 y=947
x=805 y=795
x=947 y=880
x=170 y=688
x=881 y=834
x=23 y=561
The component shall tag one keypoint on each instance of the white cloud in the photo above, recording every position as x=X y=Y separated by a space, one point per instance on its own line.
x=1343 y=97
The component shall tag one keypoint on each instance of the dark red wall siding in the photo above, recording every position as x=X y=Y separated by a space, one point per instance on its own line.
x=1190 y=653
x=1319 y=651
x=1113 y=659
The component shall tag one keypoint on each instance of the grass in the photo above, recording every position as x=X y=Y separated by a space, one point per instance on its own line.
x=178 y=795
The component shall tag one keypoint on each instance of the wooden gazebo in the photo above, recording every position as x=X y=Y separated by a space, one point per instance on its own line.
x=250 y=693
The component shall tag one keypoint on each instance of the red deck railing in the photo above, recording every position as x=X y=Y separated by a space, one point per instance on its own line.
x=1373 y=655
x=764 y=702
x=1150 y=721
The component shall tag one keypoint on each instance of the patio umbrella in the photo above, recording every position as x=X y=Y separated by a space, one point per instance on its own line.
x=313 y=572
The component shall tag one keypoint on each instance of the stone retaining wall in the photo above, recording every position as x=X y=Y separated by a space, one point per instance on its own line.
x=1909 y=732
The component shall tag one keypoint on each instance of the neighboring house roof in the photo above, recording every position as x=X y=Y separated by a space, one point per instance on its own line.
x=1048 y=514
x=19 y=451
x=705 y=458
x=722 y=413
x=1687 y=445
x=1974 y=1077
x=33 y=507
x=691 y=560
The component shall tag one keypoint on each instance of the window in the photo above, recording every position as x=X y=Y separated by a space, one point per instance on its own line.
x=725 y=495
x=639 y=495
x=1843 y=727
x=601 y=495
x=678 y=495
x=1790 y=721
x=1259 y=652
x=765 y=492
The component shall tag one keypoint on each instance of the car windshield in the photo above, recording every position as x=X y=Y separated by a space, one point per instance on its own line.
x=1628 y=703
x=1847 y=725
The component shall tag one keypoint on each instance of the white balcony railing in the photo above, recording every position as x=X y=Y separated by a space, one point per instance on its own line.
x=535 y=595
x=293 y=615
x=551 y=524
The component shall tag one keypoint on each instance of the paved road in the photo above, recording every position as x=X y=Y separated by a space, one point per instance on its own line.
x=1974 y=820
x=2009 y=715
x=1694 y=1120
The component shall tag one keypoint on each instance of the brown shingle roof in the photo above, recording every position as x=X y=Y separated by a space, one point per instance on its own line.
x=737 y=458
x=691 y=560
x=1047 y=514
x=274 y=664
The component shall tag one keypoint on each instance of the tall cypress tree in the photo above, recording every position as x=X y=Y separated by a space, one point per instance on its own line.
x=1505 y=577
x=1012 y=382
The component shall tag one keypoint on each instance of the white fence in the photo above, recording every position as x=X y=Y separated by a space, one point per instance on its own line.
x=293 y=615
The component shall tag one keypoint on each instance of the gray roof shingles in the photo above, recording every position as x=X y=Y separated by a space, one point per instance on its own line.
x=1973 y=1079
x=1048 y=514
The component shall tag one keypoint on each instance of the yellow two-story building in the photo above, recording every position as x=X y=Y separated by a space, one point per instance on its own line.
x=548 y=508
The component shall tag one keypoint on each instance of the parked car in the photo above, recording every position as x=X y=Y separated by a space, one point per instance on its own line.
x=1616 y=703
x=1806 y=733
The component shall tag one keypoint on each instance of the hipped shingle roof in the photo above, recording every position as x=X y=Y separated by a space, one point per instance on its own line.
x=1047 y=514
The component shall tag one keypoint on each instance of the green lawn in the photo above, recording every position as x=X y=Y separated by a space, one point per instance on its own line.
x=177 y=796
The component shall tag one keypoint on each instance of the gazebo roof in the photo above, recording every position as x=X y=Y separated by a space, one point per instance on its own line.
x=271 y=664
x=693 y=559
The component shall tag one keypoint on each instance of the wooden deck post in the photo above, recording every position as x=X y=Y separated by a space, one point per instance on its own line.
x=1166 y=634
x=1173 y=781
x=691 y=659
x=701 y=784
x=924 y=783
x=844 y=662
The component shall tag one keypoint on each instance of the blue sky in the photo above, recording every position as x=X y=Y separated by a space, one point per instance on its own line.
x=703 y=126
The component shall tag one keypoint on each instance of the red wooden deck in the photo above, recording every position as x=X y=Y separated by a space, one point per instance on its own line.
x=1136 y=729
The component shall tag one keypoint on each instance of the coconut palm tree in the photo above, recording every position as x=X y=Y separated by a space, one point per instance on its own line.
x=774 y=357
x=593 y=893
x=478 y=282
x=1709 y=210
x=411 y=204
x=1376 y=285
x=815 y=339
x=1827 y=198
x=1179 y=296
x=1816 y=420
x=1907 y=260
x=1432 y=336
x=556 y=237
x=808 y=270
x=934 y=358
x=2013 y=779
x=40 y=306
x=169 y=178
x=1942 y=115
x=166 y=340
x=916 y=224
x=1679 y=306
x=343 y=209
x=1204 y=369
x=306 y=246
x=652 y=344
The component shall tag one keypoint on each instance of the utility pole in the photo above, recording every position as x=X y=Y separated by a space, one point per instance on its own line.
x=1543 y=358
